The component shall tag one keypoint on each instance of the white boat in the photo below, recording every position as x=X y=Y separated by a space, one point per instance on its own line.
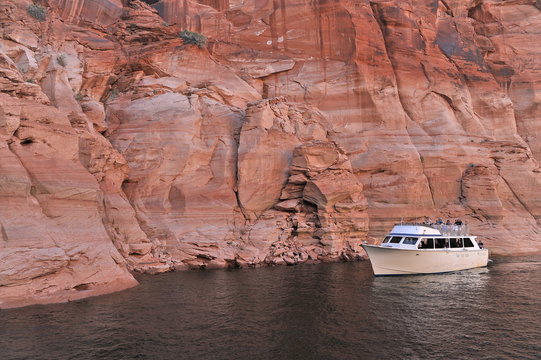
x=426 y=249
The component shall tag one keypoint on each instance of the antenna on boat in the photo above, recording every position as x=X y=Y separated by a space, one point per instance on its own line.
x=401 y=220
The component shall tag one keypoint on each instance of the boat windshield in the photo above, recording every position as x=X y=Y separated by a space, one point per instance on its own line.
x=396 y=239
x=410 y=241
x=468 y=242
x=387 y=238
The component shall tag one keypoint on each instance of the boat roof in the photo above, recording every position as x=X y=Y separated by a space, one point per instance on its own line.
x=430 y=230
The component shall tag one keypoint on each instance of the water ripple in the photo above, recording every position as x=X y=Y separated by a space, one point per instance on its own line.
x=328 y=311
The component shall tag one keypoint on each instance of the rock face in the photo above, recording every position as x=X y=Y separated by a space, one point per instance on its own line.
x=301 y=130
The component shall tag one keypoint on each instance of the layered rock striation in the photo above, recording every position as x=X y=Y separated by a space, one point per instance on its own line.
x=299 y=131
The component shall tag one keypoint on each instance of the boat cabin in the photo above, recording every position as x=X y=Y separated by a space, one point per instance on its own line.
x=424 y=237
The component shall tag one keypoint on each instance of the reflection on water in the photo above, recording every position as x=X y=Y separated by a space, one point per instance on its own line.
x=330 y=311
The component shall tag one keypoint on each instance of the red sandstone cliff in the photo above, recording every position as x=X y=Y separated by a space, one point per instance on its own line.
x=303 y=128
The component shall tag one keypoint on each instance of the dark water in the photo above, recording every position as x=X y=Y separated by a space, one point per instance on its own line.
x=330 y=311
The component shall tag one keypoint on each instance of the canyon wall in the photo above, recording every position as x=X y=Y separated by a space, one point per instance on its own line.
x=300 y=130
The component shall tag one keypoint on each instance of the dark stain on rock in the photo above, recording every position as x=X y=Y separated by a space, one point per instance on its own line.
x=502 y=71
x=449 y=41
x=177 y=200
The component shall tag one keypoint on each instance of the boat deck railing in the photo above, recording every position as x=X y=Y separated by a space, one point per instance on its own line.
x=451 y=230
x=444 y=229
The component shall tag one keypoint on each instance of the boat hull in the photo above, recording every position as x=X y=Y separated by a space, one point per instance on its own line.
x=393 y=261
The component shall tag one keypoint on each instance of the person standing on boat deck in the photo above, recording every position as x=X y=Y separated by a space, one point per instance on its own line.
x=440 y=221
x=456 y=227
x=447 y=227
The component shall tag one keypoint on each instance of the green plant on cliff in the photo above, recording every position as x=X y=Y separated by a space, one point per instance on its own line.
x=193 y=38
x=37 y=12
x=113 y=94
x=61 y=60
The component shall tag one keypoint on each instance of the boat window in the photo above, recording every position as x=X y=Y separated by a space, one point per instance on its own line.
x=396 y=239
x=468 y=242
x=426 y=244
x=410 y=241
x=387 y=238
x=456 y=243
x=440 y=243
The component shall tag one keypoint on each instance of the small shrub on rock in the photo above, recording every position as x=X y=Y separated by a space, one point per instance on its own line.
x=61 y=60
x=113 y=94
x=37 y=12
x=193 y=38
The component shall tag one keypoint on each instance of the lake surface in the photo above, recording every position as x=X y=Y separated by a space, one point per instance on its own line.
x=327 y=311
